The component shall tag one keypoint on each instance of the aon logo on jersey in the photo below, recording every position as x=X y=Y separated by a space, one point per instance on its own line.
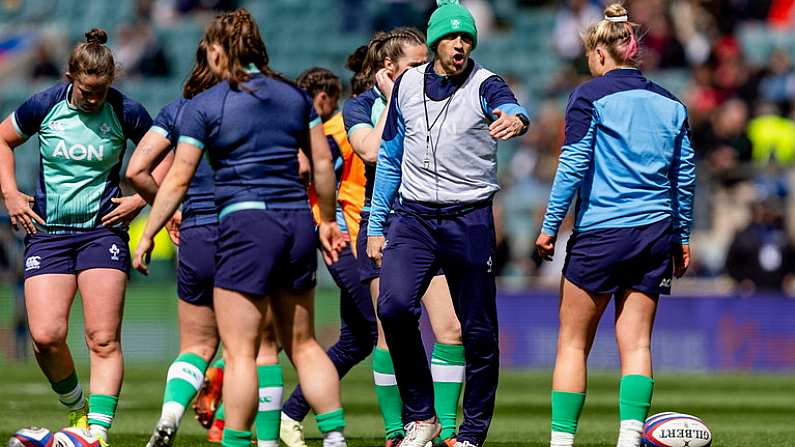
x=79 y=151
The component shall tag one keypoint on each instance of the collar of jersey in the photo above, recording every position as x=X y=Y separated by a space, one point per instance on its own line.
x=69 y=98
x=458 y=79
x=624 y=71
x=378 y=93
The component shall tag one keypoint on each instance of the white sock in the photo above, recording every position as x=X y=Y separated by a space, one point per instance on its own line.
x=172 y=411
x=267 y=443
x=333 y=438
x=561 y=439
x=630 y=433
x=98 y=432
x=73 y=400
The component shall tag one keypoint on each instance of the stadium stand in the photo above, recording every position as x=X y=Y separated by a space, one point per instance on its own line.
x=726 y=56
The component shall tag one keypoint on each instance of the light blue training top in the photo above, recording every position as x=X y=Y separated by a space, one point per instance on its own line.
x=627 y=155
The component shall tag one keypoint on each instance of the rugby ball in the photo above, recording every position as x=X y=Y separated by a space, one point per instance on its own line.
x=672 y=429
x=31 y=437
x=74 y=437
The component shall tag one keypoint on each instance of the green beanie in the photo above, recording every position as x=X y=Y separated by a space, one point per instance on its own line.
x=450 y=17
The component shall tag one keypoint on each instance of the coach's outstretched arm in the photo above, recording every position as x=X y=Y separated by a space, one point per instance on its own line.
x=387 y=177
x=508 y=119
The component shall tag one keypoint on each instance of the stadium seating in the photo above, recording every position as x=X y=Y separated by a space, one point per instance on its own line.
x=323 y=43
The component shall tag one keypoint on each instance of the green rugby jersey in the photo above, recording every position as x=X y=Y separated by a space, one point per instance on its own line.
x=80 y=154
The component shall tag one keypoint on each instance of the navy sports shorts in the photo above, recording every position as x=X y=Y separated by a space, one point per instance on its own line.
x=260 y=251
x=196 y=263
x=101 y=248
x=610 y=260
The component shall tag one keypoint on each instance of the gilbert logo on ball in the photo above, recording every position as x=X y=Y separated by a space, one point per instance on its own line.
x=673 y=429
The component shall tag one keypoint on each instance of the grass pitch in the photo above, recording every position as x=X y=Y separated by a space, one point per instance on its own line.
x=742 y=410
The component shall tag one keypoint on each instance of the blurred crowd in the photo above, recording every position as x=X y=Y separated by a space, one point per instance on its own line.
x=742 y=119
x=742 y=116
x=135 y=44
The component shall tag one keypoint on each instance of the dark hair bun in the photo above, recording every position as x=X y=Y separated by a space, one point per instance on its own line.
x=97 y=35
x=356 y=59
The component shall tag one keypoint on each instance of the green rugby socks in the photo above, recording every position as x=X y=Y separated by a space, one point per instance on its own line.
x=634 y=401
x=386 y=391
x=331 y=424
x=185 y=378
x=101 y=411
x=235 y=438
x=566 y=410
x=447 y=368
x=271 y=388
x=69 y=391
x=634 y=397
x=332 y=421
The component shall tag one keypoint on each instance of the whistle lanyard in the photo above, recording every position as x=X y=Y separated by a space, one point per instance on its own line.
x=430 y=145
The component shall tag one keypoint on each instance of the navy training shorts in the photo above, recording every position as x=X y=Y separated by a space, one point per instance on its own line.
x=196 y=263
x=74 y=252
x=260 y=251
x=611 y=260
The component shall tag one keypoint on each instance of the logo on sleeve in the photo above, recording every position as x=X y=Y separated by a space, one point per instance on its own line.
x=32 y=263
x=114 y=252
x=665 y=283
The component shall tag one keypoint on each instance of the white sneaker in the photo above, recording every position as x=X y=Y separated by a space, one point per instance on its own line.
x=291 y=432
x=464 y=444
x=420 y=433
x=334 y=439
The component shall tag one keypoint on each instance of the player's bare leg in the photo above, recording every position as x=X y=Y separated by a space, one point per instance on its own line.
x=102 y=292
x=48 y=299
x=447 y=360
x=198 y=339
x=270 y=383
x=580 y=312
x=634 y=322
x=294 y=318
x=240 y=318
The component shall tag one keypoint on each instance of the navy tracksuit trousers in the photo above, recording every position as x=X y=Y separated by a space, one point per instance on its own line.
x=461 y=241
x=358 y=333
